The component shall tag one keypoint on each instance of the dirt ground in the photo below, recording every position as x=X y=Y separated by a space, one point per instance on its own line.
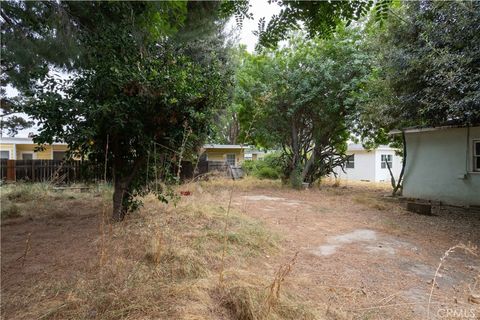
x=365 y=257
x=360 y=254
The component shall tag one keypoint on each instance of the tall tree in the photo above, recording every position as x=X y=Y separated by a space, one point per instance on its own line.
x=427 y=71
x=142 y=83
x=302 y=96
x=428 y=66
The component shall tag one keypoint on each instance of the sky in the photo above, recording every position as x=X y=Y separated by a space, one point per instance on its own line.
x=259 y=9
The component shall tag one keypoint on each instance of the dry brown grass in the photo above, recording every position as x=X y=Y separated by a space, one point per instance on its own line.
x=162 y=262
x=40 y=200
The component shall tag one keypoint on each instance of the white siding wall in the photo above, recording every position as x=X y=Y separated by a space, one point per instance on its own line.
x=364 y=167
x=438 y=166
x=382 y=174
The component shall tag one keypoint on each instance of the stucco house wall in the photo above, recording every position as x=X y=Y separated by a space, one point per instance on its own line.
x=219 y=152
x=382 y=174
x=367 y=164
x=18 y=146
x=439 y=166
x=364 y=168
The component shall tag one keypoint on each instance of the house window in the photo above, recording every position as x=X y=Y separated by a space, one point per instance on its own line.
x=386 y=158
x=231 y=159
x=27 y=156
x=58 y=155
x=4 y=154
x=476 y=155
x=350 y=164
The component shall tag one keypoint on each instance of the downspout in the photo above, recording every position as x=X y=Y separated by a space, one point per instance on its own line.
x=467 y=155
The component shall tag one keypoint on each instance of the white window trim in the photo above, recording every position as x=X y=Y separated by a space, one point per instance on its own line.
x=34 y=155
x=472 y=156
x=390 y=162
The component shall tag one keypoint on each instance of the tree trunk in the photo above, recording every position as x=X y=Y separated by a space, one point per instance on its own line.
x=121 y=185
x=404 y=162
x=308 y=165
x=119 y=209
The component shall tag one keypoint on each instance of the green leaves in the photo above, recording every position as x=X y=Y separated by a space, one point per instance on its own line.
x=140 y=80
x=301 y=98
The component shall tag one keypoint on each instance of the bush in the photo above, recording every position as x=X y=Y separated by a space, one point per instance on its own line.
x=268 y=168
x=267 y=173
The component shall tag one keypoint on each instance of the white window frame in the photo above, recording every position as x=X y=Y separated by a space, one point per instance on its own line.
x=350 y=161
x=27 y=152
x=234 y=158
x=8 y=158
x=383 y=164
x=475 y=156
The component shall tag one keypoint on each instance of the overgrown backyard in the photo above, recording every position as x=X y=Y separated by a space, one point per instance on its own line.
x=262 y=251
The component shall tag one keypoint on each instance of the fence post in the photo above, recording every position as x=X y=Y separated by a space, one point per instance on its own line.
x=11 y=174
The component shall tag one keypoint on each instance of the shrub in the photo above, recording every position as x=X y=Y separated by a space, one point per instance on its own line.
x=267 y=173
x=268 y=168
x=249 y=167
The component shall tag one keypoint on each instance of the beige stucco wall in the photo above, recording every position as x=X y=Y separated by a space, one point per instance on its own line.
x=439 y=166
x=17 y=150
x=8 y=147
x=221 y=154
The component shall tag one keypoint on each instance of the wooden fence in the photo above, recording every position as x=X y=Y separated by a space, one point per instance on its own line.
x=67 y=172
x=58 y=171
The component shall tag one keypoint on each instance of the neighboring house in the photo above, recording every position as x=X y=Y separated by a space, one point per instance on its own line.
x=443 y=164
x=370 y=165
x=253 y=154
x=233 y=154
x=26 y=149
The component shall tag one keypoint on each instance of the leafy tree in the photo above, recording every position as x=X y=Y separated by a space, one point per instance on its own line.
x=426 y=71
x=10 y=121
x=299 y=98
x=318 y=18
x=427 y=67
x=143 y=86
x=433 y=63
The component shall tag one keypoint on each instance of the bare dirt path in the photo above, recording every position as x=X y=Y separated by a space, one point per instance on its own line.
x=39 y=251
x=366 y=258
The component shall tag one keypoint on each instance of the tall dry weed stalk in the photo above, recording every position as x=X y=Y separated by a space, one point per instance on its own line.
x=275 y=287
x=27 y=249
x=467 y=248
x=225 y=229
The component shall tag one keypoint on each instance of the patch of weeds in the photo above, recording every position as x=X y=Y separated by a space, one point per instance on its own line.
x=10 y=210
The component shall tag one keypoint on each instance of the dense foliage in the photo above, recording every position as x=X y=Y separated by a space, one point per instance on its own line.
x=143 y=88
x=299 y=97
x=317 y=18
x=427 y=68
x=270 y=167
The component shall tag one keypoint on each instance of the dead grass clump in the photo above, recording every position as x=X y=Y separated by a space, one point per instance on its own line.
x=40 y=200
x=182 y=263
x=9 y=210
x=245 y=184
x=372 y=202
x=246 y=298
x=24 y=192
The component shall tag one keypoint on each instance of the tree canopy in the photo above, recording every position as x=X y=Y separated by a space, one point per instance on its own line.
x=141 y=84
x=290 y=98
